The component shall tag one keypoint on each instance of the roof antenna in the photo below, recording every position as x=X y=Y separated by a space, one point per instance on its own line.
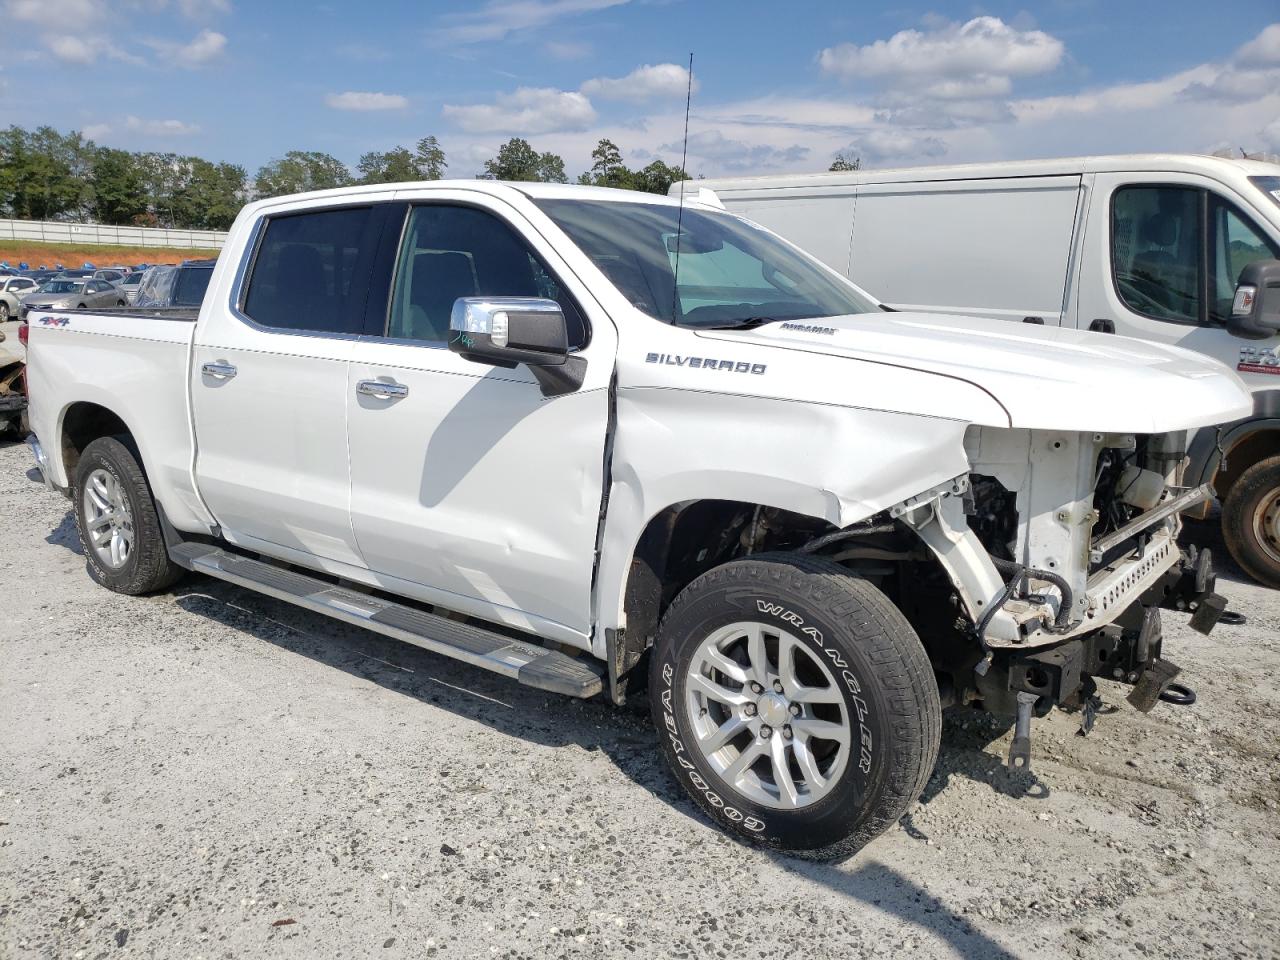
x=684 y=158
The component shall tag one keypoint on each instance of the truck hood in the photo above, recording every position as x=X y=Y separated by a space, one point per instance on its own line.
x=1046 y=378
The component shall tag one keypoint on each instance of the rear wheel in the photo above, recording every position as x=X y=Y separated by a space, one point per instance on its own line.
x=4 y=311
x=797 y=706
x=1251 y=521
x=117 y=520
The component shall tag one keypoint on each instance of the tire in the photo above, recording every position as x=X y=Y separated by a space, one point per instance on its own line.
x=109 y=473
x=856 y=663
x=121 y=303
x=1251 y=521
x=4 y=311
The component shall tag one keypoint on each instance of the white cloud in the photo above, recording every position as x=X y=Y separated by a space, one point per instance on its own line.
x=206 y=46
x=984 y=46
x=879 y=146
x=356 y=100
x=70 y=49
x=643 y=83
x=160 y=128
x=528 y=110
x=737 y=155
x=96 y=131
x=1270 y=135
x=1263 y=50
x=47 y=12
x=498 y=19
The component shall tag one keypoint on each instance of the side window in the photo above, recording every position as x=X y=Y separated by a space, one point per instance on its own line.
x=1156 y=251
x=1235 y=243
x=450 y=252
x=311 y=271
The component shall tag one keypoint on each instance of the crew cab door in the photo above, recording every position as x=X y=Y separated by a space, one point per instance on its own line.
x=269 y=383
x=1161 y=256
x=469 y=488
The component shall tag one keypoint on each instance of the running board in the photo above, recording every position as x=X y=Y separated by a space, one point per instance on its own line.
x=528 y=663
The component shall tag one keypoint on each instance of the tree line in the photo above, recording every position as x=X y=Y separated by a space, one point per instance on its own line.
x=47 y=175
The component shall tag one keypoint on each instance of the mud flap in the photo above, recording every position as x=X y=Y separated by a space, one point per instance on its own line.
x=1146 y=692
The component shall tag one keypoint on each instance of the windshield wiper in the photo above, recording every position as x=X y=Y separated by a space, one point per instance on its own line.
x=747 y=323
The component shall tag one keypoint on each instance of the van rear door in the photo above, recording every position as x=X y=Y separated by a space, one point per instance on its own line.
x=992 y=247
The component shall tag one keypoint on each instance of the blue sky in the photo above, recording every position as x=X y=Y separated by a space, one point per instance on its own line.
x=779 y=86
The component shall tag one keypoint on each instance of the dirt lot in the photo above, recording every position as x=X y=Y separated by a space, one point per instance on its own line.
x=210 y=773
x=102 y=255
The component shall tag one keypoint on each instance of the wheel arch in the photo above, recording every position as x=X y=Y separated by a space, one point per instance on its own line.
x=1244 y=442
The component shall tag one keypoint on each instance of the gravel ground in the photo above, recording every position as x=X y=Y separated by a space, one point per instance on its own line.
x=210 y=773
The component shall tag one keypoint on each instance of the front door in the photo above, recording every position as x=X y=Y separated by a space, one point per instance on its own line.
x=269 y=386
x=468 y=487
x=1162 y=259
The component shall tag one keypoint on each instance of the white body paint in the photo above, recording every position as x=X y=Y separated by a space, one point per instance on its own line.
x=482 y=496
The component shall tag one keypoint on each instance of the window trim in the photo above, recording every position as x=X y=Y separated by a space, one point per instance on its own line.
x=410 y=205
x=244 y=271
x=1202 y=279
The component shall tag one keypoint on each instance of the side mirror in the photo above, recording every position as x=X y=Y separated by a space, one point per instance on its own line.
x=506 y=331
x=1255 y=312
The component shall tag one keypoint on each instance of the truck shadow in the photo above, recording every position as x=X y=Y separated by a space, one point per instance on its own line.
x=626 y=736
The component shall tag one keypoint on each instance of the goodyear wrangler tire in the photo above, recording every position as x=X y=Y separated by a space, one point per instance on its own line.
x=795 y=704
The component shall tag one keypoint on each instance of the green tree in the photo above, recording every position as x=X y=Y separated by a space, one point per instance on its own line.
x=394 y=166
x=38 y=178
x=517 y=160
x=300 y=171
x=429 y=159
x=210 y=196
x=607 y=168
x=657 y=177
x=844 y=161
x=120 y=194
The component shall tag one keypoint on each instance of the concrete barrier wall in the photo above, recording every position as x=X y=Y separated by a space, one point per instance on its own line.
x=56 y=232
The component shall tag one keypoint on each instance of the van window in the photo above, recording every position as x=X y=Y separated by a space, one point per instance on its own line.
x=311 y=271
x=1236 y=242
x=453 y=251
x=1155 y=251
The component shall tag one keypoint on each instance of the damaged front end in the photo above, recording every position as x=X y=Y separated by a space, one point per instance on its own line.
x=1061 y=549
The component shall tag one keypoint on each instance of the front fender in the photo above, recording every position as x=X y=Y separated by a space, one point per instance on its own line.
x=836 y=464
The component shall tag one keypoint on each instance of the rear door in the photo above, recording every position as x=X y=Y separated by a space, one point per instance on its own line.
x=269 y=384
x=469 y=488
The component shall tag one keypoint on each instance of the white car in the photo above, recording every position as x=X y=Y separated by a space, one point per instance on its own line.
x=12 y=291
x=562 y=432
x=1150 y=246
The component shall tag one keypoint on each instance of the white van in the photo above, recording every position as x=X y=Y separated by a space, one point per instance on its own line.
x=1145 y=246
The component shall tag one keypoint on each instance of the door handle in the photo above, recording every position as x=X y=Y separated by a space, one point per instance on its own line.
x=382 y=389
x=219 y=369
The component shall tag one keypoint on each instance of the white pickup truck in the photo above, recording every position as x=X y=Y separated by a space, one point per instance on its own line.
x=562 y=432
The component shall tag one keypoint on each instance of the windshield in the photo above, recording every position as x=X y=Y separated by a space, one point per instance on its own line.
x=730 y=271
x=63 y=286
x=132 y=280
x=1268 y=185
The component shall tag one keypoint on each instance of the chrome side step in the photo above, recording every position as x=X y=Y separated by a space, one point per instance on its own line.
x=528 y=663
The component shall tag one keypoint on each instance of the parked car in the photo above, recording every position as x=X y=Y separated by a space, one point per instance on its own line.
x=1142 y=246
x=494 y=421
x=130 y=285
x=76 y=274
x=111 y=275
x=183 y=285
x=12 y=290
x=64 y=293
x=40 y=275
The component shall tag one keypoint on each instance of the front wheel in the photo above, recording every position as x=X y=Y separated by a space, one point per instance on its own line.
x=117 y=520
x=795 y=704
x=4 y=311
x=1251 y=521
